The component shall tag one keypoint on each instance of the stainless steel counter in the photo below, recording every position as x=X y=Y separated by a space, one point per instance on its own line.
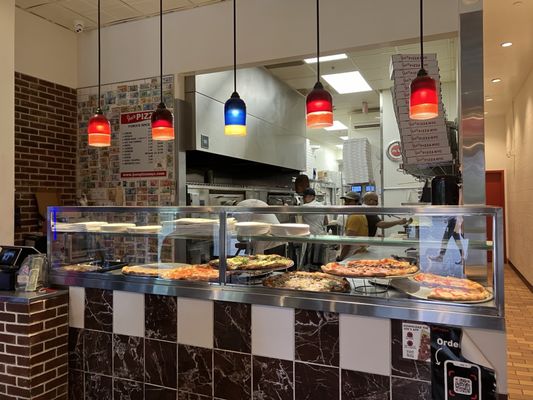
x=392 y=305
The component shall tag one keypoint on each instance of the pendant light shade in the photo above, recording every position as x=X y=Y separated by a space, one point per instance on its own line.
x=235 y=116
x=162 y=123
x=319 y=108
x=99 y=128
x=319 y=103
x=423 y=100
x=162 y=118
x=235 y=108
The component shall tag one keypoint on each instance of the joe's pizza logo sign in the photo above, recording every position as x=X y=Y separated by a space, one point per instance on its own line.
x=134 y=117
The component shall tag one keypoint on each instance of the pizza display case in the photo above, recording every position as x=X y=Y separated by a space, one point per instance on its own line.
x=236 y=254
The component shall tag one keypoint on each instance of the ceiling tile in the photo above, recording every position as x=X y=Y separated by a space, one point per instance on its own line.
x=32 y=3
x=60 y=15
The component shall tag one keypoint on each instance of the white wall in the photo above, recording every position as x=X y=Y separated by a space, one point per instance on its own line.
x=7 y=120
x=200 y=39
x=495 y=143
x=519 y=167
x=45 y=50
x=325 y=159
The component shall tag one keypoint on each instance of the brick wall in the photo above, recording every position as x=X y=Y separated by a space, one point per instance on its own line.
x=45 y=146
x=33 y=349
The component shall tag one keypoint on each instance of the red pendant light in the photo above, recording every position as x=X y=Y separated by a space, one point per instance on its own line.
x=423 y=102
x=99 y=128
x=162 y=118
x=318 y=104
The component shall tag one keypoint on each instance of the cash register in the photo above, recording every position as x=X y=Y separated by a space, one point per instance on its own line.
x=11 y=258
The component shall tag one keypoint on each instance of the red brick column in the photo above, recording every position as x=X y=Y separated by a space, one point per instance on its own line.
x=34 y=347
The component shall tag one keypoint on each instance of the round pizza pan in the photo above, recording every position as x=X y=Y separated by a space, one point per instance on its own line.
x=414 y=289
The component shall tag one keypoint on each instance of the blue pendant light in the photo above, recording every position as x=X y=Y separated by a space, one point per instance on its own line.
x=235 y=108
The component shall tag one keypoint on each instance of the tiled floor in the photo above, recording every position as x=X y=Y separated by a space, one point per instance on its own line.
x=519 y=310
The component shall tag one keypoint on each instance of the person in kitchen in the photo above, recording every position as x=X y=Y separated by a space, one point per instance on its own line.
x=363 y=224
x=371 y=199
x=315 y=252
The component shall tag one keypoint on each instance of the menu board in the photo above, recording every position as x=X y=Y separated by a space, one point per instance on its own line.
x=140 y=156
x=424 y=143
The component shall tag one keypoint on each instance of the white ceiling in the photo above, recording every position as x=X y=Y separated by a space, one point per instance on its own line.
x=506 y=21
x=65 y=12
x=374 y=67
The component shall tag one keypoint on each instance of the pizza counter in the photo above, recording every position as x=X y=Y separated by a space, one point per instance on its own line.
x=258 y=306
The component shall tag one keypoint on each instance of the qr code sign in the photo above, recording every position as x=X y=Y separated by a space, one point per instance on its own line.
x=462 y=385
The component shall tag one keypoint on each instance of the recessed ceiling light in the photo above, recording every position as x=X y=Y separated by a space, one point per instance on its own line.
x=343 y=137
x=337 y=126
x=506 y=44
x=347 y=82
x=518 y=3
x=326 y=58
x=486 y=112
x=339 y=146
x=489 y=99
x=496 y=80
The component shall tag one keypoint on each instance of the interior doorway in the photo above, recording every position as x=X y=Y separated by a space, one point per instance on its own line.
x=495 y=196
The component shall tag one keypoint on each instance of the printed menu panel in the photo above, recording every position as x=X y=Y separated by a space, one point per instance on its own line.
x=140 y=156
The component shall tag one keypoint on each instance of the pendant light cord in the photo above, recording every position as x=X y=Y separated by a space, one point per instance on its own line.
x=421 y=34
x=317 y=41
x=99 y=63
x=161 y=49
x=235 y=45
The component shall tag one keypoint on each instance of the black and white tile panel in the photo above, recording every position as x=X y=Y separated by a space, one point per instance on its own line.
x=161 y=347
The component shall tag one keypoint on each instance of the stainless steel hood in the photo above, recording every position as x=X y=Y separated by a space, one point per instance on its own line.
x=275 y=117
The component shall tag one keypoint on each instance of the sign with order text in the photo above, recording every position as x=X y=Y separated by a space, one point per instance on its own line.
x=140 y=156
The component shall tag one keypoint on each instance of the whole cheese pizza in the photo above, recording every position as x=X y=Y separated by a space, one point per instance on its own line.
x=312 y=281
x=199 y=272
x=255 y=262
x=455 y=294
x=450 y=288
x=385 y=267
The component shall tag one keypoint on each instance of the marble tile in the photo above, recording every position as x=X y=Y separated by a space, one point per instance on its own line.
x=128 y=357
x=315 y=382
x=195 y=322
x=128 y=313
x=127 y=390
x=160 y=317
x=76 y=307
x=98 y=309
x=272 y=379
x=191 y=396
x=402 y=367
x=75 y=385
x=317 y=337
x=232 y=375
x=97 y=352
x=408 y=389
x=75 y=348
x=271 y=326
x=363 y=386
x=195 y=370
x=98 y=387
x=160 y=363
x=232 y=328
x=158 y=393
x=365 y=344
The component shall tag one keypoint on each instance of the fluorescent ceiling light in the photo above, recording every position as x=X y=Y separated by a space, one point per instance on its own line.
x=347 y=82
x=326 y=58
x=489 y=99
x=337 y=126
x=496 y=80
x=315 y=146
x=339 y=146
x=506 y=44
x=343 y=137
